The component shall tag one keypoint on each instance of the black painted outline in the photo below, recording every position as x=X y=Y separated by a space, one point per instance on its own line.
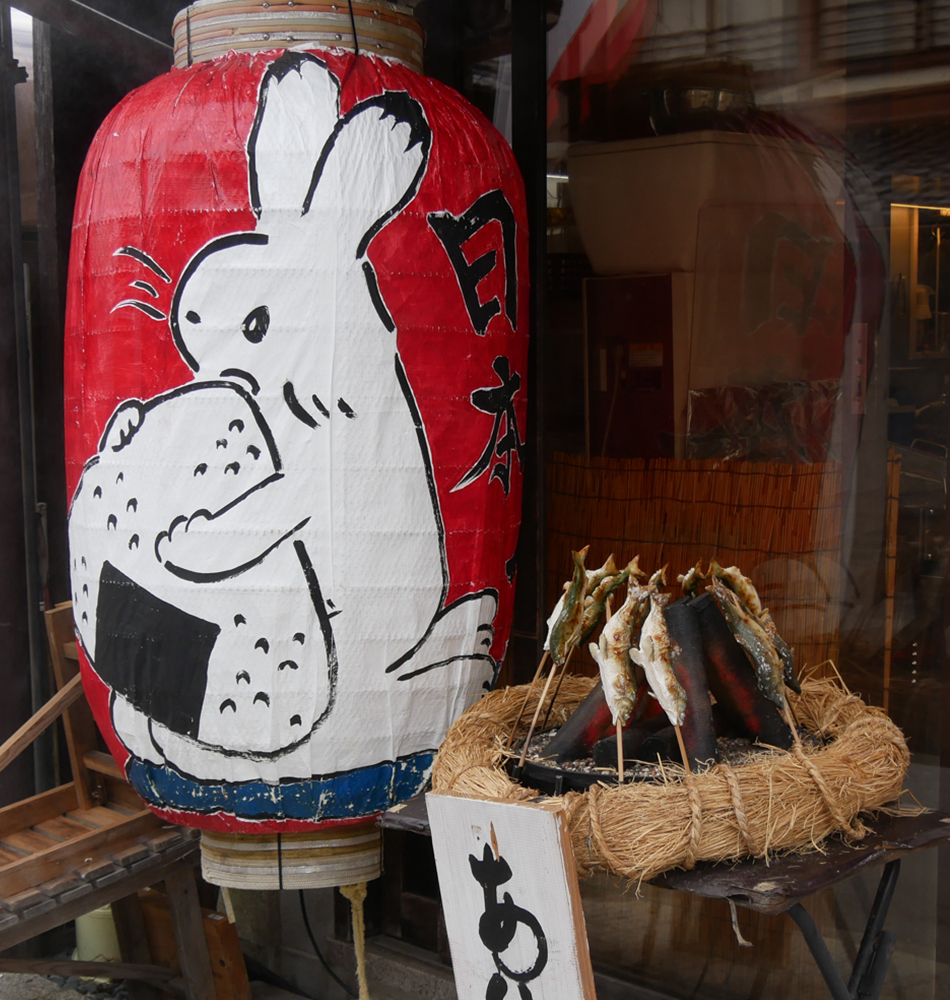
x=143 y=258
x=376 y=298
x=288 y=63
x=215 y=246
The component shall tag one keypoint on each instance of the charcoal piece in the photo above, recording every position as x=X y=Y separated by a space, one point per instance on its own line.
x=605 y=750
x=732 y=680
x=699 y=732
x=661 y=745
x=590 y=722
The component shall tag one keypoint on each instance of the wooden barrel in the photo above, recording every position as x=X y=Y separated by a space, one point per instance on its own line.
x=208 y=29
x=315 y=859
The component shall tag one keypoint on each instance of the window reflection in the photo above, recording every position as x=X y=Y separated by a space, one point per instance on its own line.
x=749 y=279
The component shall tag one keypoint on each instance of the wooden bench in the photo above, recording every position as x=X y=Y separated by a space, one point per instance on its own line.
x=93 y=842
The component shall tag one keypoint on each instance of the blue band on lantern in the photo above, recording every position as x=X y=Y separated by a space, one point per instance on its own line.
x=363 y=792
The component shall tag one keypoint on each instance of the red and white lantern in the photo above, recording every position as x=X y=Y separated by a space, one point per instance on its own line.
x=295 y=397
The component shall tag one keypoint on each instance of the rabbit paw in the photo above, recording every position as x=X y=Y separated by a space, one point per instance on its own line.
x=464 y=625
x=123 y=425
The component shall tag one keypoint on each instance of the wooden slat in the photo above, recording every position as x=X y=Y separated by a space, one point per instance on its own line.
x=61 y=828
x=98 y=816
x=78 y=723
x=121 y=794
x=38 y=808
x=96 y=760
x=6 y=857
x=28 y=841
x=63 y=858
x=40 y=721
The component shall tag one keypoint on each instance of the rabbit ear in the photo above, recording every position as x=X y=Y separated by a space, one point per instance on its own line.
x=297 y=110
x=373 y=164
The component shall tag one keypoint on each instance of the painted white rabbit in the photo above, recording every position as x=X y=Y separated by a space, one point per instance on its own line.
x=292 y=537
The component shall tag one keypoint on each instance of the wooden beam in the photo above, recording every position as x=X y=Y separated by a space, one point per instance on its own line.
x=155 y=974
x=92 y=25
x=133 y=942
x=190 y=935
x=39 y=722
x=103 y=763
x=78 y=723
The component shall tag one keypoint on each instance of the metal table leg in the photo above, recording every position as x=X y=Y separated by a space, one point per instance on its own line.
x=870 y=950
x=819 y=950
x=874 y=955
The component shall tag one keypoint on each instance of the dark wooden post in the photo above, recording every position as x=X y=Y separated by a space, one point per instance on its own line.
x=22 y=637
x=529 y=143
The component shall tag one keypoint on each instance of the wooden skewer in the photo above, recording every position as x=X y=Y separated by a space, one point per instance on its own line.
x=679 y=739
x=537 y=710
x=620 y=767
x=557 y=689
x=527 y=695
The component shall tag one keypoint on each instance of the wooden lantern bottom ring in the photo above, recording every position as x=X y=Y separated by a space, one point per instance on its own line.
x=315 y=859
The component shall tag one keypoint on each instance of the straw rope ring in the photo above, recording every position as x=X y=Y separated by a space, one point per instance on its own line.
x=774 y=801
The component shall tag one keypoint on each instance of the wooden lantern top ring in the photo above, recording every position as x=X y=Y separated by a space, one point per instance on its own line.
x=208 y=29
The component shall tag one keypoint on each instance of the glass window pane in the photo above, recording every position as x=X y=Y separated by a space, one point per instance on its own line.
x=747 y=358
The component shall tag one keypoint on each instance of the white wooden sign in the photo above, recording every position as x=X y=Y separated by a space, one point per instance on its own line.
x=511 y=900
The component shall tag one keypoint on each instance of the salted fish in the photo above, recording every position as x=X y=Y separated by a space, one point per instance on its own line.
x=592 y=578
x=655 y=655
x=691 y=580
x=611 y=653
x=567 y=627
x=749 y=633
x=739 y=584
x=786 y=653
x=595 y=603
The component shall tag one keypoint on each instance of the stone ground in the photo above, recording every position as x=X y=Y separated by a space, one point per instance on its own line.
x=16 y=986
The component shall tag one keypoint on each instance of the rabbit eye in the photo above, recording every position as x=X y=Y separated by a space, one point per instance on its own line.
x=255 y=324
x=192 y=316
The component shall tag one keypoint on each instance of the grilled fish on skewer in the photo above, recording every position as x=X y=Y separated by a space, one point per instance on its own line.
x=786 y=653
x=567 y=627
x=611 y=653
x=598 y=599
x=592 y=578
x=690 y=580
x=655 y=655
x=740 y=585
x=745 y=590
x=659 y=578
x=753 y=638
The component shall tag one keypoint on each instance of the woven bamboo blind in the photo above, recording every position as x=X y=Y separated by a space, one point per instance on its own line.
x=781 y=524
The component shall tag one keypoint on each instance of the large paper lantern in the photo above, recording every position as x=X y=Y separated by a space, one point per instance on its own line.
x=295 y=398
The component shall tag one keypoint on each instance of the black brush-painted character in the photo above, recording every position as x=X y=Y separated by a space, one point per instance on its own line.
x=499 y=401
x=498 y=925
